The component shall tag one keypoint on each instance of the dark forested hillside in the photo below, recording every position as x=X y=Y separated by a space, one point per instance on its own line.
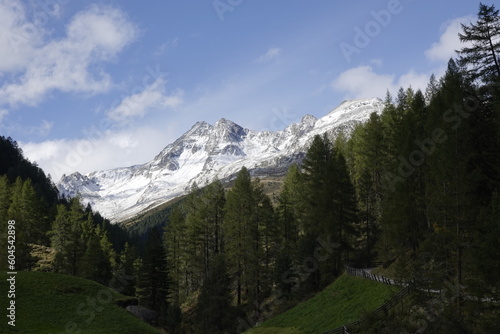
x=28 y=197
x=14 y=165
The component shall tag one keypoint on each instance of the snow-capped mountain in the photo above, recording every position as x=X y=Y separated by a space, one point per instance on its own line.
x=203 y=153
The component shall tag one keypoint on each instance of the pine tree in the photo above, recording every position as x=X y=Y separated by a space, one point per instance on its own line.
x=24 y=224
x=107 y=248
x=66 y=237
x=267 y=243
x=34 y=214
x=345 y=209
x=213 y=312
x=484 y=54
x=317 y=178
x=241 y=234
x=404 y=206
x=152 y=283
x=126 y=271
x=204 y=218
x=194 y=246
x=367 y=147
x=289 y=211
x=95 y=264
x=175 y=243
x=487 y=245
x=5 y=198
x=450 y=206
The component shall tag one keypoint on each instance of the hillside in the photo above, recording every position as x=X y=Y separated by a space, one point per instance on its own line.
x=344 y=301
x=54 y=303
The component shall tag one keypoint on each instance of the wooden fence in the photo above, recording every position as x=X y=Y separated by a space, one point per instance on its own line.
x=365 y=274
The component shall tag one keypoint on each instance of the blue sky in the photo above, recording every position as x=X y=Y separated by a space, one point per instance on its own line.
x=88 y=86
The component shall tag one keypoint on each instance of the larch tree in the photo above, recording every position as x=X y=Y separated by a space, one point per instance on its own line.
x=240 y=234
x=153 y=283
x=483 y=56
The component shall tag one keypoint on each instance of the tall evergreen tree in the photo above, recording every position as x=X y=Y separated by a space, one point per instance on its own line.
x=289 y=211
x=175 y=243
x=24 y=222
x=483 y=56
x=126 y=270
x=266 y=244
x=152 y=283
x=451 y=208
x=213 y=312
x=4 y=218
x=66 y=237
x=329 y=206
x=240 y=234
x=366 y=147
x=95 y=263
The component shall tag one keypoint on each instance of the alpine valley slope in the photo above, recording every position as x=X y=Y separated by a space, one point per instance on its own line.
x=206 y=152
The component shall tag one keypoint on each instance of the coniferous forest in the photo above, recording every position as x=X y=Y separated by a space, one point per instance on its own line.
x=415 y=188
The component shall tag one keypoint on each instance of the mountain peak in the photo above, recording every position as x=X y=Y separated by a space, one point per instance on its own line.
x=206 y=152
x=309 y=119
x=227 y=130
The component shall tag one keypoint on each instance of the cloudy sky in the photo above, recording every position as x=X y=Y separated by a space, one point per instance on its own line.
x=89 y=86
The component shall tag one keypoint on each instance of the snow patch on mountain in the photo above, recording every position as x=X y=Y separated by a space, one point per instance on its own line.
x=204 y=153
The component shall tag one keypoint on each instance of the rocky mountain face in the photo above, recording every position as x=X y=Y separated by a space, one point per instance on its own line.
x=204 y=153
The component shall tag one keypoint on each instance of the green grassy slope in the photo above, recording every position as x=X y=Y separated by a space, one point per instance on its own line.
x=345 y=300
x=57 y=304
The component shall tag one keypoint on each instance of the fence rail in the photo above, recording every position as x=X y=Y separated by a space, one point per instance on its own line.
x=365 y=274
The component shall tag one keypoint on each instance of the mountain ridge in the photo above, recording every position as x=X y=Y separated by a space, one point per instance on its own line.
x=206 y=152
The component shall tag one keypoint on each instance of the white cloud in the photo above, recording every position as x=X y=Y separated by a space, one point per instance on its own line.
x=110 y=150
x=18 y=36
x=449 y=41
x=271 y=54
x=152 y=97
x=70 y=64
x=363 y=82
x=414 y=80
